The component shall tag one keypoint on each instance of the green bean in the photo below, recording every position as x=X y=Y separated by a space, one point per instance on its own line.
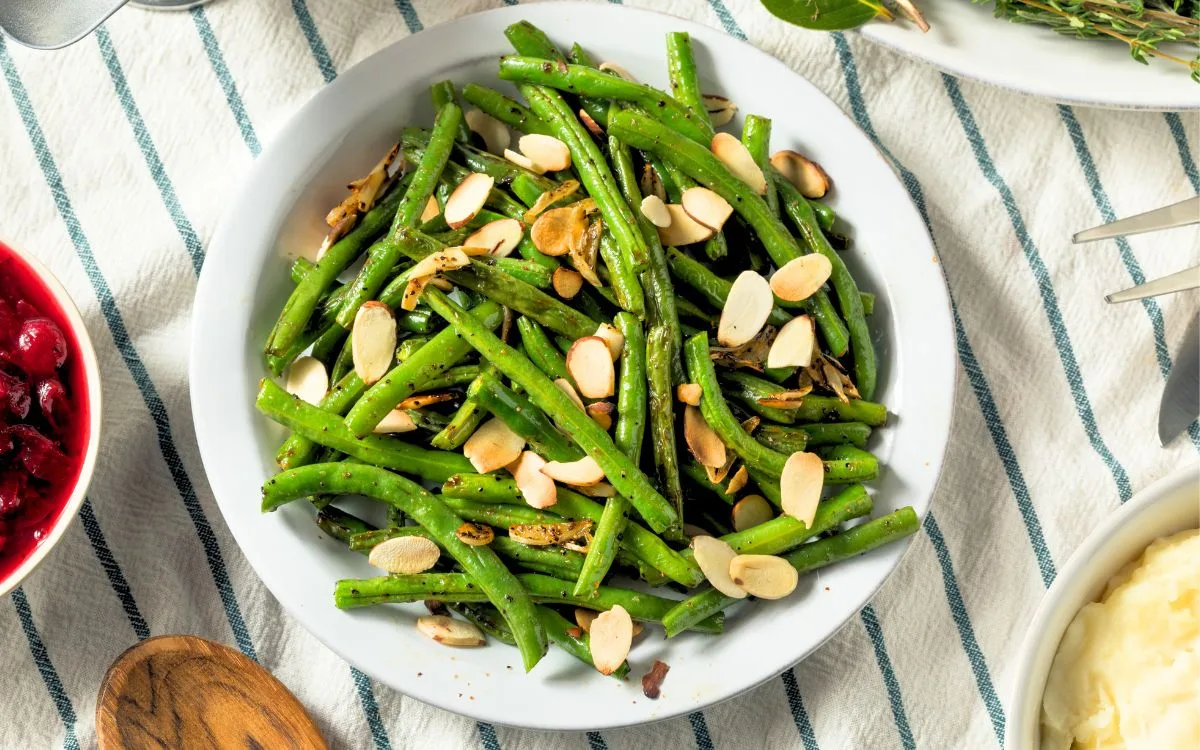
x=689 y=309
x=415 y=140
x=416 y=321
x=486 y=570
x=297 y=450
x=442 y=94
x=756 y=137
x=506 y=110
x=365 y=541
x=861 y=346
x=530 y=272
x=487 y=618
x=344 y=362
x=747 y=389
x=482 y=488
x=713 y=288
x=541 y=350
x=329 y=430
x=277 y=364
x=525 y=419
x=792 y=439
x=465 y=421
x=528 y=193
x=597 y=109
x=560 y=630
x=552 y=561
x=695 y=472
x=826 y=217
x=341 y=525
x=830 y=409
x=719 y=417
x=848 y=463
x=528 y=251
x=626 y=287
x=661 y=397
x=868 y=302
x=300 y=268
x=528 y=39
x=329 y=343
x=455 y=376
x=681 y=70
x=589 y=82
x=442 y=351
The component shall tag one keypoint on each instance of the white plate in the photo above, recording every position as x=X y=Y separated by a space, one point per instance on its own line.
x=337 y=137
x=968 y=41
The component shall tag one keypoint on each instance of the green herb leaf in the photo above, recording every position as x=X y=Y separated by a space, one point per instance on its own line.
x=827 y=15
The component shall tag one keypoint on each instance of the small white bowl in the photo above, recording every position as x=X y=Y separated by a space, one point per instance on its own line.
x=91 y=376
x=1168 y=506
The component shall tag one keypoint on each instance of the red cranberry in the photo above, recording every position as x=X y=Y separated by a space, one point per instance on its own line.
x=41 y=347
x=14 y=396
x=52 y=400
x=12 y=488
x=25 y=311
x=10 y=324
x=6 y=441
x=39 y=454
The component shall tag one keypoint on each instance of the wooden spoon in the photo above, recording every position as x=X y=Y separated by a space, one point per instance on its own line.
x=176 y=691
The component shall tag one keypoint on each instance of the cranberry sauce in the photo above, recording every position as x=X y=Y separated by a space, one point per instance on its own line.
x=43 y=411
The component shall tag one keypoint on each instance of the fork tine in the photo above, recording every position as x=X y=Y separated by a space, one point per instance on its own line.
x=1176 y=215
x=1176 y=282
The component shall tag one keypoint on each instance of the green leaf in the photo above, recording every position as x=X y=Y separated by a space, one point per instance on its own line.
x=826 y=15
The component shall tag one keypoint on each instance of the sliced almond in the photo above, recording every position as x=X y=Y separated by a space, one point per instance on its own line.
x=713 y=556
x=580 y=473
x=467 y=199
x=405 y=554
x=432 y=210
x=800 y=278
x=592 y=126
x=613 y=337
x=450 y=632
x=734 y=155
x=521 y=160
x=683 y=229
x=500 y=237
x=702 y=441
x=601 y=414
x=706 y=207
x=800 y=486
x=547 y=534
x=493 y=446
x=556 y=231
x=691 y=530
x=612 y=67
x=751 y=511
x=536 y=487
x=307 y=379
x=565 y=386
x=651 y=183
x=585 y=245
x=395 y=421
x=584 y=618
x=374 y=341
x=764 y=576
x=611 y=636
x=717 y=474
x=566 y=282
x=603 y=489
x=806 y=175
x=546 y=151
x=494 y=133
x=689 y=393
x=738 y=481
x=793 y=345
x=475 y=534
x=450 y=259
x=751 y=424
x=565 y=190
x=421 y=400
x=720 y=110
x=746 y=309
x=656 y=211
x=589 y=361
x=412 y=292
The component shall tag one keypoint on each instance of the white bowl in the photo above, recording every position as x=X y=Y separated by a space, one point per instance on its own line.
x=91 y=376
x=1170 y=505
x=337 y=137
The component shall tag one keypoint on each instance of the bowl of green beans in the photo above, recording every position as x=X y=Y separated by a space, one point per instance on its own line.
x=611 y=387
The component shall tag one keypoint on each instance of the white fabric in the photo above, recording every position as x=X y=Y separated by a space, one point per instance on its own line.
x=1024 y=405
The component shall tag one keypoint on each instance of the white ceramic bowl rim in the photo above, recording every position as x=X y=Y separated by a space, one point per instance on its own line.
x=91 y=375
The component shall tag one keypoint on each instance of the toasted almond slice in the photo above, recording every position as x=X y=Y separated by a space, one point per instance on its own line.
x=566 y=282
x=793 y=345
x=580 y=473
x=734 y=155
x=592 y=126
x=612 y=67
x=656 y=211
x=689 y=393
x=764 y=576
x=706 y=207
x=601 y=413
x=717 y=474
x=405 y=554
x=800 y=486
x=651 y=183
x=546 y=151
x=395 y=421
x=565 y=190
x=739 y=480
x=467 y=199
x=806 y=175
x=746 y=309
x=603 y=489
x=702 y=441
x=589 y=361
x=440 y=283
x=555 y=231
x=546 y=534
x=613 y=337
x=751 y=424
x=565 y=386
x=800 y=278
x=500 y=237
x=432 y=210
x=584 y=618
x=450 y=259
x=450 y=632
x=751 y=511
x=493 y=446
x=720 y=109
x=683 y=229
x=307 y=379
x=421 y=400
x=652 y=681
x=374 y=341
x=412 y=292
x=713 y=556
x=536 y=487
x=691 y=530
x=610 y=638
x=475 y=534
x=494 y=133
x=521 y=160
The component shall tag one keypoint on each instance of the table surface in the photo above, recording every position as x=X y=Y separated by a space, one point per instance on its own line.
x=117 y=156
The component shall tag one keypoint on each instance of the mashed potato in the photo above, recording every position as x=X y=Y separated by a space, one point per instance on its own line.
x=1127 y=673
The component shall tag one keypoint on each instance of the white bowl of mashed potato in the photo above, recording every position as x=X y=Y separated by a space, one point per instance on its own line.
x=1112 y=657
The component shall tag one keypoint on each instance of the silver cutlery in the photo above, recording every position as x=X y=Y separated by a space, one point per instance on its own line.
x=1181 y=399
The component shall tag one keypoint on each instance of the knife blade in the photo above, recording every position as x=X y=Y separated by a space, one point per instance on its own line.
x=1181 y=398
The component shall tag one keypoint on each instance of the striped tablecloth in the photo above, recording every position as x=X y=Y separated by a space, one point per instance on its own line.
x=116 y=159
